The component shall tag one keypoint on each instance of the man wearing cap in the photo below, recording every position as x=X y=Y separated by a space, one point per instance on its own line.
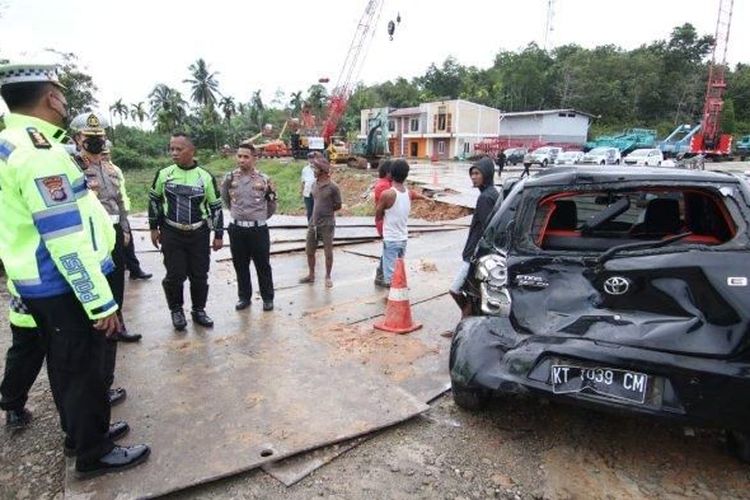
x=108 y=184
x=326 y=201
x=184 y=204
x=55 y=241
x=251 y=198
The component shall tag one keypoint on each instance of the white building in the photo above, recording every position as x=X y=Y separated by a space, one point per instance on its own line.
x=441 y=129
x=556 y=126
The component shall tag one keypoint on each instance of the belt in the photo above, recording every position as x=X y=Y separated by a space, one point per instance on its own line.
x=249 y=223
x=185 y=227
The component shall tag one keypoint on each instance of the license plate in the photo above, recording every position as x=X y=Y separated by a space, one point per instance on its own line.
x=607 y=382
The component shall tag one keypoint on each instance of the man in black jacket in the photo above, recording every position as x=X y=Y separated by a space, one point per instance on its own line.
x=482 y=175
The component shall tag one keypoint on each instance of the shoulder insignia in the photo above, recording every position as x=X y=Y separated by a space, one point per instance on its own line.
x=38 y=139
x=6 y=149
x=55 y=189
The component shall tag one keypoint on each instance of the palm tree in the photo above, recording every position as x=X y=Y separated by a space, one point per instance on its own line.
x=203 y=83
x=227 y=107
x=138 y=112
x=296 y=103
x=167 y=107
x=257 y=110
x=119 y=108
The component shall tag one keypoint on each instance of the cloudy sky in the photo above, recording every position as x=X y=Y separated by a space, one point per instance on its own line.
x=129 y=46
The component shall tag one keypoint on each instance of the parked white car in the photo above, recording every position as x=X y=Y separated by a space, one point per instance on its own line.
x=602 y=156
x=644 y=157
x=542 y=156
x=569 y=158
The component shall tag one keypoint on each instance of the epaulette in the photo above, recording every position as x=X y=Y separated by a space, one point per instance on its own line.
x=38 y=139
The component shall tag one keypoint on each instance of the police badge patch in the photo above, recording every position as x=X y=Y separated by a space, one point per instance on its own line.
x=55 y=190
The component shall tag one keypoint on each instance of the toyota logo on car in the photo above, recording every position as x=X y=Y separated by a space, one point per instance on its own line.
x=616 y=285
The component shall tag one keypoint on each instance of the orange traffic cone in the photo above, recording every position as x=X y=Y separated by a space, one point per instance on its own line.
x=398 y=310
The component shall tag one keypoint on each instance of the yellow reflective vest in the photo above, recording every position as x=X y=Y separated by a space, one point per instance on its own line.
x=55 y=236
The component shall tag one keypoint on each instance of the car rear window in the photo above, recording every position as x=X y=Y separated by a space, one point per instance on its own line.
x=600 y=220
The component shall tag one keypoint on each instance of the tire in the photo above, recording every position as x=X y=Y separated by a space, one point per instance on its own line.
x=470 y=399
x=617 y=162
x=738 y=444
x=544 y=163
x=602 y=163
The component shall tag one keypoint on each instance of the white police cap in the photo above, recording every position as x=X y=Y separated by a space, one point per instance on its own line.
x=29 y=73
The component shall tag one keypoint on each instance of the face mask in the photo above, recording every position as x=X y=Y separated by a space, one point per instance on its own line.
x=63 y=112
x=94 y=145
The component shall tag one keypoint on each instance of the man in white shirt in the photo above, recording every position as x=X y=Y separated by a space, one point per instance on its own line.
x=308 y=179
x=393 y=208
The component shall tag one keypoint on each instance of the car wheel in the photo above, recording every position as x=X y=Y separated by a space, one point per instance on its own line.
x=470 y=399
x=738 y=443
x=617 y=162
x=602 y=162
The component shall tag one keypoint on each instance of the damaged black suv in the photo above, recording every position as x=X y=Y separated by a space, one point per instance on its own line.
x=622 y=289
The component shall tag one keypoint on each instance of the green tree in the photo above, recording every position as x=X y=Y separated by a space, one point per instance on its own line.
x=119 y=108
x=167 y=108
x=203 y=83
x=728 y=119
x=317 y=97
x=295 y=103
x=227 y=108
x=138 y=112
x=79 y=85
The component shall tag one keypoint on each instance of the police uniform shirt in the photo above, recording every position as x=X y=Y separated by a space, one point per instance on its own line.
x=247 y=195
x=106 y=182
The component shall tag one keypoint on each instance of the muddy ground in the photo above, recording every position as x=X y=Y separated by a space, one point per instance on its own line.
x=518 y=448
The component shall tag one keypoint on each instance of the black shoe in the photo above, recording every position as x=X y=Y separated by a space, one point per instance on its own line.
x=124 y=336
x=268 y=305
x=117 y=396
x=202 y=318
x=138 y=274
x=178 y=320
x=117 y=430
x=120 y=458
x=242 y=304
x=17 y=419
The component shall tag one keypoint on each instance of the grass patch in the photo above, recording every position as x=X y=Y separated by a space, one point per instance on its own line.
x=285 y=174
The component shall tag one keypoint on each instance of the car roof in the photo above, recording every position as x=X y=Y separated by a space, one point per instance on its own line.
x=595 y=175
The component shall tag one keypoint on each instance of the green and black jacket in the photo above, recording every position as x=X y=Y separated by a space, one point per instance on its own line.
x=185 y=196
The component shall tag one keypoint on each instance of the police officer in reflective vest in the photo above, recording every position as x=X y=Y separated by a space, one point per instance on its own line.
x=251 y=199
x=55 y=241
x=184 y=205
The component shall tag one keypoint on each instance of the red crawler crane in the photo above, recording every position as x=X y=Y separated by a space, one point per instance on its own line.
x=710 y=141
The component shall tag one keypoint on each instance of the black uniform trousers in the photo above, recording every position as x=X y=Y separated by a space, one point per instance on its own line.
x=116 y=280
x=25 y=357
x=76 y=363
x=186 y=255
x=132 y=263
x=252 y=244
x=23 y=362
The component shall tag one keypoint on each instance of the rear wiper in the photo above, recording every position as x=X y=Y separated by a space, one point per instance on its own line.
x=640 y=245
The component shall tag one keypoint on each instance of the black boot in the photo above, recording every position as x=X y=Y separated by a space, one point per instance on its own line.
x=117 y=430
x=178 y=320
x=120 y=458
x=202 y=318
x=123 y=335
x=117 y=396
x=140 y=274
x=17 y=419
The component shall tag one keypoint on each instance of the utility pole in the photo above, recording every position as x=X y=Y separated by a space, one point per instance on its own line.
x=549 y=26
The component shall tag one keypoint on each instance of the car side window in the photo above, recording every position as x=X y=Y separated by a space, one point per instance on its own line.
x=597 y=221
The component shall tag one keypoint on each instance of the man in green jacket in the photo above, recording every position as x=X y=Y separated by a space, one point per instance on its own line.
x=184 y=205
x=55 y=241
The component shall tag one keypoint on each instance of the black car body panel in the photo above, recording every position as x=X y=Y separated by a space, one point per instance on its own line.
x=681 y=314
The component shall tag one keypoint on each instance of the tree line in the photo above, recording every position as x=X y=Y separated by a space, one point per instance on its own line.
x=657 y=85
